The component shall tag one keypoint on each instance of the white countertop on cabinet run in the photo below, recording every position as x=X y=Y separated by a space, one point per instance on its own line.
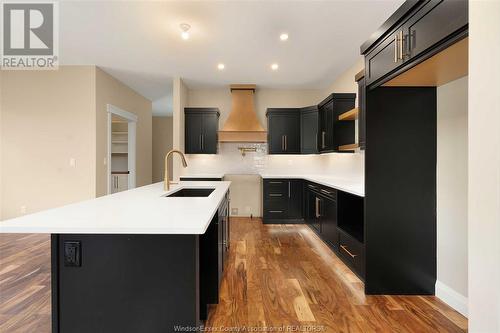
x=353 y=186
x=142 y=210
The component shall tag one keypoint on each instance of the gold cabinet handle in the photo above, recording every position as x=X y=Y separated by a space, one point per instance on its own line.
x=401 y=45
x=317 y=208
x=343 y=247
x=274 y=195
x=396 y=47
x=323 y=139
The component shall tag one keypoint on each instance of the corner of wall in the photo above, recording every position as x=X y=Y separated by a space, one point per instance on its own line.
x=451 y=297
x=180 y=96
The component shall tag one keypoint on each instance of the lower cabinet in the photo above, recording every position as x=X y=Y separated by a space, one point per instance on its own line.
x=337 y=218
x=119 y=182
x=282 y=201
x=322 y=212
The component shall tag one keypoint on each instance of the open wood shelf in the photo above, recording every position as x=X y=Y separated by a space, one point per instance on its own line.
x=350 y=115
x=349 y=147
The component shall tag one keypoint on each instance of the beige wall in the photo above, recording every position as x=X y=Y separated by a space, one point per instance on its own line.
x=345 y=83
x=48 y=118
x=162 y=143
x=484 y=166
x=452 y=189
x=179 y=101
x=111 y=91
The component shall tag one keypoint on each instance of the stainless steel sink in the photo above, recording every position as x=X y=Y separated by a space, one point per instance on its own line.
x=191 y=192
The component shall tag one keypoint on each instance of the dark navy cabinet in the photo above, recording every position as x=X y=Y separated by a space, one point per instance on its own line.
x=309 y=130
x=283 y=127
x=200 y=128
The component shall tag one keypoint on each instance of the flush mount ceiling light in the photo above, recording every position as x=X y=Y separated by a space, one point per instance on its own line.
x=274 y=67
x=185 y=30
x=220 y=66
x=284 y=36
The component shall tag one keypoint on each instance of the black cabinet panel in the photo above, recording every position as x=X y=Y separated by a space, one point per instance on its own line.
x=328 y=215
x=361 y=111
x=282 y=200
x=333 y=132
x=201 y=126
x=400 y=185
x=434 y=22
x=425 y=28
x=193 y=133
x=209 y=136
x=295 y=200
x=309 y=130
x=283 y=127
x=383 y=59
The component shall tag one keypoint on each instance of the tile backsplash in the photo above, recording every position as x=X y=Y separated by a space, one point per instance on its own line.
x=230 y=161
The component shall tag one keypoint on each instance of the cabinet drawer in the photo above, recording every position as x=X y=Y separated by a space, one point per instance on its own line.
x=352 y=252
x=280 y=204
x=276 y=186
x=275 y=213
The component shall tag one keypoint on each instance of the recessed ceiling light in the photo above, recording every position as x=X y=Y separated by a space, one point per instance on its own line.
x=284 y=37
x=274 y=67
x=185 y=30
x=220 y=67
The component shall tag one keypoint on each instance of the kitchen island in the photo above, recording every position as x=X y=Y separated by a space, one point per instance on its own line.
x=143 y=260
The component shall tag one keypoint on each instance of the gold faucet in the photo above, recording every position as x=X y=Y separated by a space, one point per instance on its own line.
x=167 y=182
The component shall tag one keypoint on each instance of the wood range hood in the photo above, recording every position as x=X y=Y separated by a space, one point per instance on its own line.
x=242 y=125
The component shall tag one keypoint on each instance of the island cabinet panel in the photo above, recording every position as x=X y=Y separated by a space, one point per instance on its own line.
x=309 y=130
x=282 y=201
x=283 y=126
x=201 y=127
x=418 y=30
x=125 y=283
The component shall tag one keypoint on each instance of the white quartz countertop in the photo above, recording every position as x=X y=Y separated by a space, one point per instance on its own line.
x=204 y=175
x=353 y=186
x=142 y=210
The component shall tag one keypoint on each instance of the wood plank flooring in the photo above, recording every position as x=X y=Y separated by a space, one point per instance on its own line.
x=284 y=276
x=277 y=275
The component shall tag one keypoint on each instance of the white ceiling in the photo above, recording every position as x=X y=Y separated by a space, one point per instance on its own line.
x=139 y=43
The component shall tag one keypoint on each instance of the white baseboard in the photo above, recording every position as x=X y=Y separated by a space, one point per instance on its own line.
x=451 y=297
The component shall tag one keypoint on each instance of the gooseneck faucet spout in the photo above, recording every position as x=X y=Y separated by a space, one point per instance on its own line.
x=167 y=182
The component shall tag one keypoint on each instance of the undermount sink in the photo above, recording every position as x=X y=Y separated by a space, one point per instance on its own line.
x=191 y=192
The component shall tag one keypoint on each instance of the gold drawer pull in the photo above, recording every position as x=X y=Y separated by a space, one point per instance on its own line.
x=275 y=211
x=349 y=253
x=275 y=195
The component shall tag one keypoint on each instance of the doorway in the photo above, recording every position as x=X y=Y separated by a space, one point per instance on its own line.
x=121 y=149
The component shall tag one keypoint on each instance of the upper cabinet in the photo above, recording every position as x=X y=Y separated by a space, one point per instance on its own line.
x=415 y=32
x=283 y=125
x=309 y=130
x=201 y=126
x=334 y=133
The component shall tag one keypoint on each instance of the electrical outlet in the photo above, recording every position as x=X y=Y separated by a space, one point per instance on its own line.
x=23 y=209
x=234 y=211
x=248 y=209
x=72 y=162
x=72 y=254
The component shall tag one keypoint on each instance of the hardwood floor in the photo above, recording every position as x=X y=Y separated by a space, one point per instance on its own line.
x=276 y=275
